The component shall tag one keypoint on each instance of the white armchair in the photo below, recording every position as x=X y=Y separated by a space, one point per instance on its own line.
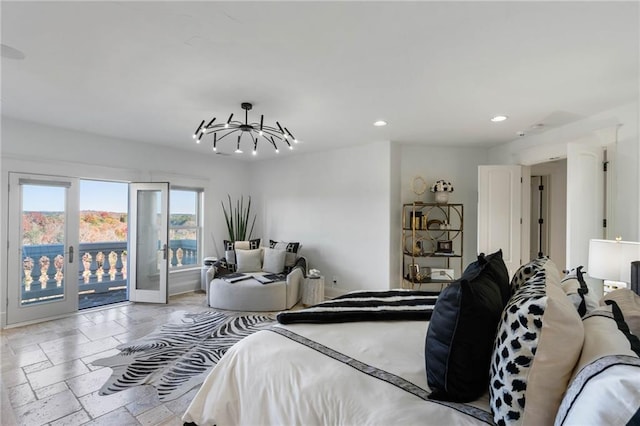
x=250 y=295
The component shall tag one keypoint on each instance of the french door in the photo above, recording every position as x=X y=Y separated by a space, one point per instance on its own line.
x=42 y=253
x=46 y=267
x=149 y=242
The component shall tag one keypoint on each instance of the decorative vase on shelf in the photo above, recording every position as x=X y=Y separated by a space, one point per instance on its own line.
x=442 y=188
x=442 y=197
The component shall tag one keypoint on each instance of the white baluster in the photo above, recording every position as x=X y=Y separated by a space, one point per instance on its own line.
x=44 y=271
x=58 y=262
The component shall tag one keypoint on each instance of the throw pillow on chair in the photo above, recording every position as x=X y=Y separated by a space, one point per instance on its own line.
x=274 y=260
x=249 y=260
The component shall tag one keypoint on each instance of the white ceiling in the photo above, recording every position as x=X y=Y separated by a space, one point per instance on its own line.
x=436 y=71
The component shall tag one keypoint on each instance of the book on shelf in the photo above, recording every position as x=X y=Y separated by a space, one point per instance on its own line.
x=235 y=277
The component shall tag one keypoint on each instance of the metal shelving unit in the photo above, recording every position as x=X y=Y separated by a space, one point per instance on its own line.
x=432 y=249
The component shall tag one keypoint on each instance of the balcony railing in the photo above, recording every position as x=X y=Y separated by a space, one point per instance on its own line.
x=102 y=269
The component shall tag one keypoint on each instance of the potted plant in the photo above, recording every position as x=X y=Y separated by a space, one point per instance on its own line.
x=237 y=219
x=442 y=188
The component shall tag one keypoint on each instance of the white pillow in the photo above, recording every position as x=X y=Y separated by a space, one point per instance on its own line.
x=607 y=369
x=273 y=260
x=248 y=260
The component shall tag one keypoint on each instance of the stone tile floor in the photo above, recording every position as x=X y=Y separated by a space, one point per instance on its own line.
x=48 y=379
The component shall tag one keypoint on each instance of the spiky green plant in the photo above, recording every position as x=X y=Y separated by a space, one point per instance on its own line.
x=238 y=219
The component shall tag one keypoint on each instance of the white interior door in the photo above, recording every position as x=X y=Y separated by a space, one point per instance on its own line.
x=42 y=252
x=585 y=203
x=500 y=212
x=149 y=242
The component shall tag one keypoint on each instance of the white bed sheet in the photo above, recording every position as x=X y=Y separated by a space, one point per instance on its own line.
x=267 y=378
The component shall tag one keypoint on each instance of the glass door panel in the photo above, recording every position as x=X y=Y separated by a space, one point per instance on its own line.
x=43 y=244
x=149 y=207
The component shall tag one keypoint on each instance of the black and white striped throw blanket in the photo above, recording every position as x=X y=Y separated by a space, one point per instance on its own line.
x=407 y=305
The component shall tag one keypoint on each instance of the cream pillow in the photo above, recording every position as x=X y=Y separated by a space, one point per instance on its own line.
x=629 y=304
x=249 y=260
x=230 y=250
x=273 y=260
x=601 y=338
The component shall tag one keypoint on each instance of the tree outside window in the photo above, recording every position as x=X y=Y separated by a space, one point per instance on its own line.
x=185 y=227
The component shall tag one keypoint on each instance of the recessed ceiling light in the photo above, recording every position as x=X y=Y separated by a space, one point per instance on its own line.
x=380 y=123
x=499 y=118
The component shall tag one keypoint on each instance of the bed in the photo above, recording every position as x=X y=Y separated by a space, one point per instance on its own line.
x=328 y=369
x=356 y=369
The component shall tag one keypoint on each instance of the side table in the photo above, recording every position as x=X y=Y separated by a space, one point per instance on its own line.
x=313 y=290
x=206 y=278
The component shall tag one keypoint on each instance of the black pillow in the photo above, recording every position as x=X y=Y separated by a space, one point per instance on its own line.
x=462 y=330
x=493 y=267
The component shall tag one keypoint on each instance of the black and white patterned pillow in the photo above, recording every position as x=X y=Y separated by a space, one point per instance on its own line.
x=526 y=271
x=292 y=253
x=540 y=323
x=230 y=250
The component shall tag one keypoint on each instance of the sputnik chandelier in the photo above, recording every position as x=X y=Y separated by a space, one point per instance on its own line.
x=254 y=131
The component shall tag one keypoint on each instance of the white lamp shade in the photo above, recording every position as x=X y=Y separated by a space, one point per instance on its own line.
x=611 y=260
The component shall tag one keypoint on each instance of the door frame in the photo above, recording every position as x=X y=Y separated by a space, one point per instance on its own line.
x=16 y=313
x=161 y=295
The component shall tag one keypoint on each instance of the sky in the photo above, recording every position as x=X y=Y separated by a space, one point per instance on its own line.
x=96 y=195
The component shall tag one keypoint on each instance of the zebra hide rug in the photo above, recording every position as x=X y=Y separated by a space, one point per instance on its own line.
x=177 y=357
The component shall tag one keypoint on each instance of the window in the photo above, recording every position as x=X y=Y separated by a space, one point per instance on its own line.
x=185 y=227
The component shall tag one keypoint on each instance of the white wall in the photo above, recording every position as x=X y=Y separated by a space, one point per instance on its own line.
x=34 y=148
x=457 y=165
x=337 y=204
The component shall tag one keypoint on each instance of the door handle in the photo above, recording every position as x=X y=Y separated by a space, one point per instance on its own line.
x=70 y=254
x=164 y=252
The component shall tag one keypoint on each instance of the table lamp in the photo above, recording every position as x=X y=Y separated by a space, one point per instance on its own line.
x=616 y=262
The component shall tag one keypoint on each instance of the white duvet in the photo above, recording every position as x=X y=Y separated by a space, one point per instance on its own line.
x=268 y=378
